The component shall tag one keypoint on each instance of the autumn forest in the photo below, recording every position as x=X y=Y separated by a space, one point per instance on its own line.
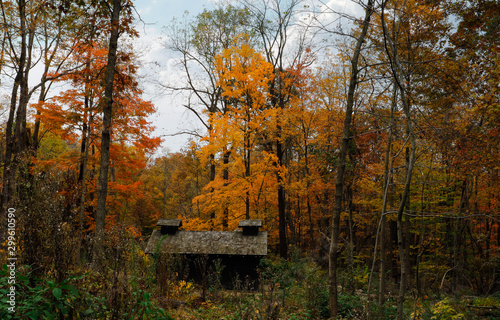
x=367 y=144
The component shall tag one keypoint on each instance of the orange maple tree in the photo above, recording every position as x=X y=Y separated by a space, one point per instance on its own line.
x=75 y=116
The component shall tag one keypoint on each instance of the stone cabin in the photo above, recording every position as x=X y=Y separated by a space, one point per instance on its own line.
x=238 y=252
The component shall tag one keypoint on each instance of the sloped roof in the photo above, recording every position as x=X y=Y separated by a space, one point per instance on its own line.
x=250 y=224
x=169 y=223
x=210 y=242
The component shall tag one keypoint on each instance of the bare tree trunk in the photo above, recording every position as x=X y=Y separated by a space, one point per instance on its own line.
x=86 y=143
x=283 y=245
x=381 y=230
x=107 y=102
x=397 y=72
x=339 y=180
x=87 y=129
x=41 y=98
x=387 y=173
x=225 y=176
x=351 y=230
x=20 y=130
x=48 y=58
x=247 y=153
x=212 y=178
x=9 y=170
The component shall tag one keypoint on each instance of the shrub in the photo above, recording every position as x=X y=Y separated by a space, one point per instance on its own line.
x=442 y=310
x=39 y=298
x=42 y=298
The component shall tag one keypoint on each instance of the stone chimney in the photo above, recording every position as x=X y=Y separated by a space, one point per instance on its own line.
x=250 y=227
x=169 y=226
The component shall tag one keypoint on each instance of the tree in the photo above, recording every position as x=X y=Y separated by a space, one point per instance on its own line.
x=344 y=144
x=16 y=129
x=75 y=115
x=409 y=51
x=45 y=32
x=244 y=77
x=107 y=108
x=198 y=42
x=272 y=22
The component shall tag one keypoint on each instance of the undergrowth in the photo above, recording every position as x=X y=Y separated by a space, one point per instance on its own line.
x=135 y=287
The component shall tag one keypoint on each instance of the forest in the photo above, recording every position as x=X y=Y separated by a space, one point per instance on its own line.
x=367 y=144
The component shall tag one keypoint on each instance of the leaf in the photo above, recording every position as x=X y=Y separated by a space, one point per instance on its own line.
x=73 y=290
x=57 y=293
x=88 y=312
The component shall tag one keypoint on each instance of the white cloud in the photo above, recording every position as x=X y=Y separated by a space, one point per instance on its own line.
x=160 y=66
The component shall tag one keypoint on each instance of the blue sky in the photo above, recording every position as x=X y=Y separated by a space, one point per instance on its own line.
x=160 y=65
x=161 y=12
x=171 y=117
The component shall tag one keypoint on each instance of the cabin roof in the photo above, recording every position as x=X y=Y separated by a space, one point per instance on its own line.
x=250 y=223
x=169 y=223
x=210 y=242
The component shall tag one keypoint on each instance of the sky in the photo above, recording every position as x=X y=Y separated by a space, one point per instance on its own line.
x=159 y=64
x=171 y=117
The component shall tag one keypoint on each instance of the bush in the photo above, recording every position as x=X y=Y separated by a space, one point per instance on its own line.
x=348 y=305
x=45 y=299
x=442 y=310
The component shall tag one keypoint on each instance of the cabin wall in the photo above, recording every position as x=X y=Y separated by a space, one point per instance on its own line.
x=229 y=271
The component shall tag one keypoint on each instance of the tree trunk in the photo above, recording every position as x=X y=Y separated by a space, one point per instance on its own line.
x=107 y=103
x=9 y=171
x=339 y=180
x=247 y=151
x=212 y=178
x=387 y=173
x=351 y=230
x=283 y=245
x=41 y=98
x=84 y=151
x=20 y=130
x=397 y=72
x=225 y=176
x=43 y=89
x=86 y=145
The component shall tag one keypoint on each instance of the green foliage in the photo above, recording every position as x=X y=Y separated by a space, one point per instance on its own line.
x=453 y=308
x=349 y=304
x=491 y=301
x=354 y=278
x=215 y=30
x=317 y=296
x=442 y=310
x=51 y=147
x=73 y=298
x=144 y=309
x=125 y=286
x=45 y=299
x=302 y=284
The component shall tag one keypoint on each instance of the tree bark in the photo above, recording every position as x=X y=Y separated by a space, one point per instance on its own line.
x=84 y=151
x=225 y=176
x=397 y=72
x=107 y=103
x=86 y=145
x=339 y=180
x=16 y=137
x=283 y=245
x=20 y=130
x=387 y=174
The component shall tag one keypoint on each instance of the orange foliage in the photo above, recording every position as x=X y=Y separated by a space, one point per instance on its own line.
x=74 y=115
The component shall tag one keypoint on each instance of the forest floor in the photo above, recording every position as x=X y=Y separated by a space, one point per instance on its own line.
x=298 y=289
x=293 y=289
